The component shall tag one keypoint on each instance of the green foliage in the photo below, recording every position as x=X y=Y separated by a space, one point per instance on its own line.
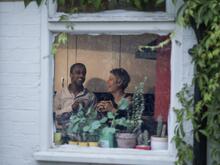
x=84 y=125
x=185 y=113
x=133 y=120
x=204 y=17
x=72 y=6
x=159 y=125
x=61 y=39
x=27 y=2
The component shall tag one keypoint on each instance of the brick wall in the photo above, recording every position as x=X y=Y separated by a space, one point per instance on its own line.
x=19 y=82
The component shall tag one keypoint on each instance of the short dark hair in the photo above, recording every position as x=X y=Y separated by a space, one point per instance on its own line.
x=123 y=75
x=77 y=65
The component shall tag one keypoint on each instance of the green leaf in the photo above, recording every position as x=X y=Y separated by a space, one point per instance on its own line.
x=110 y=115
x=137 y=3
x=39 y=2
x=97 y=4
x=86 y=128
x=204 y=132
x=158 y=2
x=61 y=2
x=26 y=2
x=123 y=104
x=103 y=120
x=95 y=125
x=174 y=2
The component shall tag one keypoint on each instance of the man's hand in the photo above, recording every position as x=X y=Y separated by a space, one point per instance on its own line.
x=75 y=106
x=105 y=106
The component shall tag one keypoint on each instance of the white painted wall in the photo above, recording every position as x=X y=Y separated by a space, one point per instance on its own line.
x=19 y=82
x=20 y=52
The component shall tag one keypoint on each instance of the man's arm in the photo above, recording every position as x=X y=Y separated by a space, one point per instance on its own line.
x=60 y=107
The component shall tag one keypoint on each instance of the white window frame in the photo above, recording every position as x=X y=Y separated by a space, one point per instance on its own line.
x=127 y=23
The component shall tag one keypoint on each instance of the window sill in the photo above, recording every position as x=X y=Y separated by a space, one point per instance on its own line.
x=115 y=16
x=116 y=22
x=77 y=154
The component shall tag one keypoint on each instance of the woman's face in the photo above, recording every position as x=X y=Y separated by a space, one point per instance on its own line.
x=112 y=84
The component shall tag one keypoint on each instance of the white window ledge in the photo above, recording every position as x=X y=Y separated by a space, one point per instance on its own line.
x=116 y=16
x=75 y=154
x=114 y=22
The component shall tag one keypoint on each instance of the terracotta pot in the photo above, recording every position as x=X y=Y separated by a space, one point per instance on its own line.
x=126 y=140
x=159 y=143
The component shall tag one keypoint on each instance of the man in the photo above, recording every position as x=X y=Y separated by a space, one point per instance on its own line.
x=68 y=100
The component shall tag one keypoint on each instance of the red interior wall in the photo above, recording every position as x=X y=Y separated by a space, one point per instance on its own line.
x=162 y=86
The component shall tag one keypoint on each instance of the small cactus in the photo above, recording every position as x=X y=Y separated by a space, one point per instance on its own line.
x=145 y=137
x=159 y=125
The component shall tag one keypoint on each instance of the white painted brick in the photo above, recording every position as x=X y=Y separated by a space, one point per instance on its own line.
x=22 y=80
x=189 y=33
x=23 y=55
x=13 y=7
x=31 y=30
x=16 y=103
x=20 y=92
x=19 y=116
x=19 y=67
x=20 y=18
x=10 y=31
x=19 y=83
x=188 y=44
x=26 y=128
x=6 y=7
x=19 y=42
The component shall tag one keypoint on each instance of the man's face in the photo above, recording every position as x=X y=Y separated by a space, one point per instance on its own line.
x=78 y=75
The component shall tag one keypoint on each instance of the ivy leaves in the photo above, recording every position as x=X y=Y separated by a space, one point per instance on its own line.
x=204 y=17
x=27 y=2
x=183 y=114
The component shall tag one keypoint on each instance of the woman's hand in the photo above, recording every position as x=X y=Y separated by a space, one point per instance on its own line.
x=105 y=106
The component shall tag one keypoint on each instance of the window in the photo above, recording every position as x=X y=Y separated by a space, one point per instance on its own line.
x=102 y=53
x=93 y=24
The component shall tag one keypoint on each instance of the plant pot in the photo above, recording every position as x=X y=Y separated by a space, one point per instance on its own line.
x=159 y=143
x=73 y=142
x=126 y=140
x=57 y=138
x=83 y=144
x=106 y=140
x=93 y=144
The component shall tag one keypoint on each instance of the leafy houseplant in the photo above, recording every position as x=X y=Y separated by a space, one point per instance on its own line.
x=84 y=125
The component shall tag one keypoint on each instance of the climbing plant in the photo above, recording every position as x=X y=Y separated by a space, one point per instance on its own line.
x=204 y=17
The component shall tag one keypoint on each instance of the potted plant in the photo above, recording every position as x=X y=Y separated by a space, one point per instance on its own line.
x=126 y=138
x=160 y=141
x=84 y=126
x=143 y=141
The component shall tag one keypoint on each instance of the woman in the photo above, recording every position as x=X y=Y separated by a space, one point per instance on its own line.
x=117 y=83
